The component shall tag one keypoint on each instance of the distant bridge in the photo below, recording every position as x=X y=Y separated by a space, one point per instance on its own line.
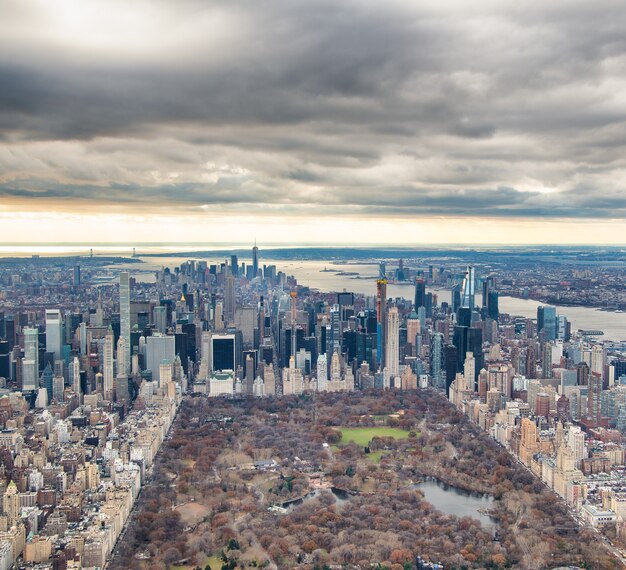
x=591 y=332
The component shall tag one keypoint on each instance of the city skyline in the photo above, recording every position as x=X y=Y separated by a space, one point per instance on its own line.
x=325 y=123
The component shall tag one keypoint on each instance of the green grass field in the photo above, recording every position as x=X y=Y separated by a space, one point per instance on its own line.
x=215 y=562
x=363 y=435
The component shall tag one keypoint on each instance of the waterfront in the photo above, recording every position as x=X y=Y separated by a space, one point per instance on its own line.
x=323 y=275
x=316 y=275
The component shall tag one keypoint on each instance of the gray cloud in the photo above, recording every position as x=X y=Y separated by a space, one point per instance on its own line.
x=390 y=109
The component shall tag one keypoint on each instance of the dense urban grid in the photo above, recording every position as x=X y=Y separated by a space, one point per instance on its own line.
x=94 y=372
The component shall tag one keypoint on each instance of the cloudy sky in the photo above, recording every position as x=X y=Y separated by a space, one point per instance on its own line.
x=351 y=121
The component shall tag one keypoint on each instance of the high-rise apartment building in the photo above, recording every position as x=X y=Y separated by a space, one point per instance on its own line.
x=392 y=356
x=107 y=364
x=125 y=317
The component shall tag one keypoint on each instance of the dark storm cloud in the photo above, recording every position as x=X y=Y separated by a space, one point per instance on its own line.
x=390 y=109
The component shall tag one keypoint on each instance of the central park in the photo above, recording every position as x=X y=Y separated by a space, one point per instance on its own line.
x=338 y=480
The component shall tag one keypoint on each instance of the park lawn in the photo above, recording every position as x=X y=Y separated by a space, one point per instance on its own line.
x=375 y=456
x=215 y=562
x=363 y=435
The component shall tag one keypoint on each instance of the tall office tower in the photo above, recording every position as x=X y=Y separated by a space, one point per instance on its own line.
x=456 y=298
x=223 y=355
x=234 y=266
x=594 y=397
x=48 y=380
x=420 y=293
x=121 y=355
x=468 y=339
x=546 y=322
x=469 y=369
x=381 y=320
x=30 y=364
x=158 y=349
x=107 y=363
x=392 y=356
x=333 y=340
x=205 y=346
x=493 y=309
x=54 y=333
x=229 y=299
x=322 y=373
x=437 y=374
x=160 y=319
x=382 y=271
x=255 y=261
x=468 y=292
x=487 y=288
x=5 y=360
x=125 y=318
x=597 y=360
x=77 y=276
x=75 y=376
x=413 y=328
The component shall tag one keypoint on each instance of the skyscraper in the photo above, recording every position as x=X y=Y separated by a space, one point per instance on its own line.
x=107 y=363
x=322 y=373
x=125 y=317
x=594 y=396
x=54 y=333
x=393 y=347
x=597 y=360
x=159 y=348
x=234 y=266
x=467 y=299
x=381 y=319
x=223 y=355
x=30 y=364
x=255 y=261
x=229 y=299
x=160 y=319
x=420 y=293
x=75 y=376
x=437 y=374
x=546 y=321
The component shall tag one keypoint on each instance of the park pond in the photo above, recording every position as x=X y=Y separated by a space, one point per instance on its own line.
x=458 y=502
x=445 y=498
x=339 y=495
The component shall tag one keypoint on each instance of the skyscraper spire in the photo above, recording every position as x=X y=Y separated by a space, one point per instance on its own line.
x=467 y=300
